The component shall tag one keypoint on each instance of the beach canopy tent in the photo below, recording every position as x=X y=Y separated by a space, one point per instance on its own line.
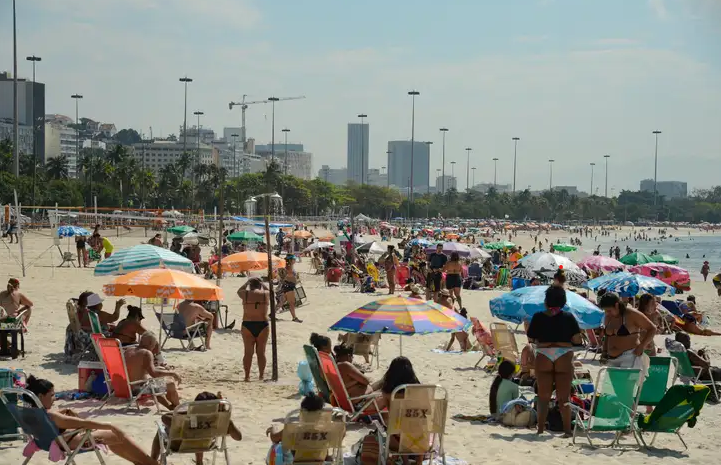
x=362 y=217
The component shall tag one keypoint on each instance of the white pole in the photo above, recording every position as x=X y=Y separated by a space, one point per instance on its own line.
x=95 y=205
x=20 y=231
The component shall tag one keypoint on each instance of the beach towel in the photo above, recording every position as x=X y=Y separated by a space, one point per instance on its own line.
x=454 y=352
x=478 y=418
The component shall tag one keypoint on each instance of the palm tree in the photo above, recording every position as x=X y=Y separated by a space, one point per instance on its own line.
x=183 y=163
x=57 y=167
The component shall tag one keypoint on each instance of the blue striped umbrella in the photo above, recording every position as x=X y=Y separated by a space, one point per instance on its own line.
x=71 y=231
x=631 y=286
x=141 y=257
x=596 y=283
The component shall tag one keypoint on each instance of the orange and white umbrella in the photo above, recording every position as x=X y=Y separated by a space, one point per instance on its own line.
x=163 y=283
x=302 y=234
x=247 y=261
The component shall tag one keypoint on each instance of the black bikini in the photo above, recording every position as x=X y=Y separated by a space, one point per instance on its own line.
x=255 y=327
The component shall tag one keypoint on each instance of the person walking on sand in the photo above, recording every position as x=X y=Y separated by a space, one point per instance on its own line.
x=390 y=263
x=254 y=329
x=289 y=281
x=705 y=268
x=14 y=302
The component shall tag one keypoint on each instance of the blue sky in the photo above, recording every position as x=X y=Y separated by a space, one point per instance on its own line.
x=574 y=79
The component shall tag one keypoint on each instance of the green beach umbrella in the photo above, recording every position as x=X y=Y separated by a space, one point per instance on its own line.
x=564 y=247
x=636 y=258
x=241 y=236
x=180 y=230
x=667 y=259
x=499 y=245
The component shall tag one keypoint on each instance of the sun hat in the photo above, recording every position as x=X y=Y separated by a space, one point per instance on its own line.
x=94 y=299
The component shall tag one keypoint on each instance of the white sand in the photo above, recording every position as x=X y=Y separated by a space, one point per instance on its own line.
x=257 y=405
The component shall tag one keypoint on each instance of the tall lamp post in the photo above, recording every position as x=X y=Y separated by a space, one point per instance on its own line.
x=605 y=193
x=185 y=80
x=495 y=172
x=468 y=167
x=197 y=132
x=77 y=98
x=236 y=171
x=473 y=178
x=413 y=94
x=550 y=175
x=443 y=161
x=285 y=132
x=272 y=101
x=592 y=166
x=388 y=172
x=515 y=156
x=363 y=170
x=16 y=136
x=655 y=168
x=438 y=174
x=428 y=144
x=453 y=173
x=34 y=60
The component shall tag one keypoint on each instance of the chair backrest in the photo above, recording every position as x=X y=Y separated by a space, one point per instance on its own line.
x=679 y=405
x=617 y=392
x=72 y=311
x=592 y=339
x=417 y=415
x=658 y=380
x=475 y=270
x=30 y=415
x=685 y=369
x=335 y=382
x=373 y=271
x=483 y=336
x=313 y=436
x=115 y=368
x=8 y=425
x=311 y=354
x=504 y=341
x=95 y=326
x=196 y=426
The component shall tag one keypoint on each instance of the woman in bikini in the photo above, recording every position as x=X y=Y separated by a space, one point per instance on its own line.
x=554 y=332
x=628 y=333
x=128 y=330
x=454 y=282
x=254 y=329
x=356 y=383
x=289 y=280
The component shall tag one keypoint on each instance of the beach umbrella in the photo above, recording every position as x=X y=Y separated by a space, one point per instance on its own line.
x=327 y=237
x=142 y=257
x=245 y=236
x=302 y=234
x=403 y=316
x=247 y=261
x=422 y=242
x=318 y=245
x=450 y=247
x=631 y=286
x=499 y=245
x=595 y=283
x=601 y=264
x=636 y=258
x=71 y=231
x=544 y=262
x=163 y=283
x=661 y=258
x=371 y=247
x=481 y=254
x=181 y=230
x=520 y=305
x=562 y=247
x=669 y=274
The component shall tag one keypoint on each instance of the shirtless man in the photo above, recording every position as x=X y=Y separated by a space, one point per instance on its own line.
x=141 y=365
x=14 y=302
x=254 y=329
x=193 y=313
x=156 y=240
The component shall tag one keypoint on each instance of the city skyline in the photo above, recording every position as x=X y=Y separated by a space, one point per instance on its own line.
x=573 y=96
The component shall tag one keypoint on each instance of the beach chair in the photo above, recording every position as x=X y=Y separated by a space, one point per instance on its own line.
x=67 y=257
x=311 y=354
x=612 y=408
x=484 y=341
x=35 y=423
x=9 y=428
x=504 y=343
x=81 y=343
x=594 y=345
x=689 y=374
x=356 y=407
x=95 y=326
x=314 y=437
x=373 y=272
x=662 y=372
x=200 y=426
x=214 y=307
x=417 y=417
x=680 y=405
x=365 y=345
x=116 y=372
x=174 y=327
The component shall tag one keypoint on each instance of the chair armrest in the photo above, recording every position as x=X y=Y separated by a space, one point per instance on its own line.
x=364 y=397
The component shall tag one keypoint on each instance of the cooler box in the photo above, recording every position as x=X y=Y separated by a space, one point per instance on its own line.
x=334 y=274
x=86 y=370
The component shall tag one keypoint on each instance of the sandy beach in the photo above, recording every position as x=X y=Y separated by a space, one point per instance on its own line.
x=257 y=405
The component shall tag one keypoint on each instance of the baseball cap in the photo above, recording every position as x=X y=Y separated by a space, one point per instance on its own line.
x=94 y=299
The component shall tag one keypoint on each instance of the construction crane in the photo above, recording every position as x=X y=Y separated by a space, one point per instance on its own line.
x=244 y=106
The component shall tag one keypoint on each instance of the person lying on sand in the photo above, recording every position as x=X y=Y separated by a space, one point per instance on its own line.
x=192 y=312
x=141 y=365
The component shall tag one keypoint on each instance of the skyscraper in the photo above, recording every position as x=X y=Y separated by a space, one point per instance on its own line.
x=357 y=160
x=399 y=164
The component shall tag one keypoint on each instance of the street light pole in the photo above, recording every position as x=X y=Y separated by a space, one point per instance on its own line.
x=413 y=94
x=185 y=80
x=272 y=101
x=443 y=161
x=34 y=59
x=515 y=153
x=438 y=174
x=473 y=176
x=77 y=98
x=236 y=170
x=16 y=135
x=468 y=167
x=388 y=171
x=550 y=177
x=495 y=172
x=363 y=170
x=428 y=144
x=453 y=173
x=655 y=168
x=605 y=194
x=286 y=131
x=197 y=132
x=592 y=165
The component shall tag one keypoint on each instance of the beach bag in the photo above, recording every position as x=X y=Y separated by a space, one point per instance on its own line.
x=554 y=421
x=306 y=385
x=518 y=413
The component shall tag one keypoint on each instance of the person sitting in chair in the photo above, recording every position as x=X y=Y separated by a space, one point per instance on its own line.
x=193 y=312
x=140 y=362
x=128 y=330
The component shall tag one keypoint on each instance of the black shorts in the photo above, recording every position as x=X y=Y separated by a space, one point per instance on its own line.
x=453 y=281
x=433 y=281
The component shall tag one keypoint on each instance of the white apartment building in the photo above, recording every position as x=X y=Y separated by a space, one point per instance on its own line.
x=25 y=135
x=157 y=154
x=300 y=162
x=449 y=182
x=336 y=176
x=62 y=140
x=93 y=144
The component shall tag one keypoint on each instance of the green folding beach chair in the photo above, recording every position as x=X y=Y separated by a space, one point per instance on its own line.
x=613 y=407
x=9 y=428
x=95 y=325
x=659 y=378
x=680 y=405
x=311 y=354
x=689 y=374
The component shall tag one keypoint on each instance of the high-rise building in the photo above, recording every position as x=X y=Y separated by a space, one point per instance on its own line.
x=228 y=135
x=357 y=156
x=668 y=189
x=31 y=106
x=337 y=176
x=451 y=183
x=155 y=155
x=60 y=139
x=399 y=164
x=300 y=162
